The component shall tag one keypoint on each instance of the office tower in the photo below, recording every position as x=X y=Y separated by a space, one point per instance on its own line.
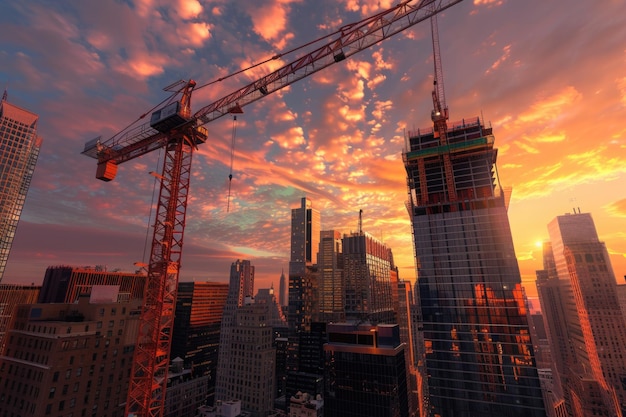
x=251 y=364
x=240 y=288
x=282 y=287
x=69 y=359
x=478 y=354
x=197 y=324
x=365 y=373
x=63 y=284
x=19 y=150
x=303 y=301
x=595 y=325
x=305 y=234
x=11 y=295
x=369 y=275
x=330 y=277
x=276 y=319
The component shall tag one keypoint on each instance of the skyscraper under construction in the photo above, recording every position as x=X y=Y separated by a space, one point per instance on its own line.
x=478 y=355
x=19 y=150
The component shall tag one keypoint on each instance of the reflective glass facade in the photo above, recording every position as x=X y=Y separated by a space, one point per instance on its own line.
x=477 y=349
x=365 y=372
x=19 y=150
x=369 y=273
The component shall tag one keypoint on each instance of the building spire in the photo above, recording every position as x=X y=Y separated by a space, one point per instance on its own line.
x=4 y=95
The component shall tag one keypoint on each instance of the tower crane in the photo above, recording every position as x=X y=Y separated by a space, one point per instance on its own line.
x=179 y=132
x=439 y=113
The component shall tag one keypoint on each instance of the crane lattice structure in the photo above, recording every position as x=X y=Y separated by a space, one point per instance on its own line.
x=174 y=129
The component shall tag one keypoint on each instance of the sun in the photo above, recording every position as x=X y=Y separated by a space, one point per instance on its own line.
x=539 y=244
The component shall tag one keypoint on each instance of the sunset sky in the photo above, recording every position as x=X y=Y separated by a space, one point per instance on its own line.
x=550 y=77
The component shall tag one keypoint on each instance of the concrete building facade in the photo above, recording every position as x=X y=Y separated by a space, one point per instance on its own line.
x=69 y=359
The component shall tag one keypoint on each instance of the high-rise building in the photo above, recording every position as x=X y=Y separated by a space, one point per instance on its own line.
x=11 y=295
x=595 y=325
x=197 y=324
x=365 y=373
x=369 y=277
x=69 y=359
x=19 y=150
x=240 y=289
x=303 y=336
x=330 y=277
x=478 y=354
x=305 y=232
x=251 y=365
x=63 y=284
x=305 y=235
x=276 y=318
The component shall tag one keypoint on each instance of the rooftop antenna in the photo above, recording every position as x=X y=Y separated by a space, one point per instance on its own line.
x=360 y=221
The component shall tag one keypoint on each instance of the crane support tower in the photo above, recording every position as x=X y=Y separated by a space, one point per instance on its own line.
x=175 y=129
x=439 y=114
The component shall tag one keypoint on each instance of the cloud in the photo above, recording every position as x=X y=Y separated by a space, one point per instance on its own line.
x=617 y=208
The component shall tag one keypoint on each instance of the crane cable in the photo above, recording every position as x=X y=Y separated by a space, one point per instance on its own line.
x=232 y=158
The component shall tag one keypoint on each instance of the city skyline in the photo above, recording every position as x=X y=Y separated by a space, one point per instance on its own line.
x=547 y=77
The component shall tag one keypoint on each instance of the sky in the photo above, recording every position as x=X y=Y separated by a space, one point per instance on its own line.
x=548 y=76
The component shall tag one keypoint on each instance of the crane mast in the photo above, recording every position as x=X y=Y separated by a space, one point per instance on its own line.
x=175 y=129
x=439 y=115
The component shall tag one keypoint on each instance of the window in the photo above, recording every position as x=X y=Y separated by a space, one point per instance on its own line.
x=51 y=394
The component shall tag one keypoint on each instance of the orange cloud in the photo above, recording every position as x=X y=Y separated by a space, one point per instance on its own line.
x=545 y=110
x=488 y=3
x=617 y=208
x=506 y=53
x=189 y=9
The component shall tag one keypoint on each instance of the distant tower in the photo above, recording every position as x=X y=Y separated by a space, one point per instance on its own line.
x=19 y=150
x=305 y=232
x=282 y=287
x=579 y=294
x=240 y=288
x=251 y=361
x=304 y=336
x=197 y=325
x=330 y=272
x=276 y=317
x=305 y=235
x=369 y=277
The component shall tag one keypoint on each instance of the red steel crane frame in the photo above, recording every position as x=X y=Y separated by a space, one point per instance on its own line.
x=146 y=395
